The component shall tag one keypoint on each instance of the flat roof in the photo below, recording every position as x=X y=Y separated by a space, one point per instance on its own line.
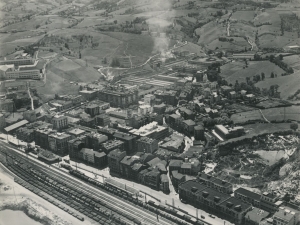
x=16 y=125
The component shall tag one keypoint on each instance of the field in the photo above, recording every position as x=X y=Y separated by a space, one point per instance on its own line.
x=241 y=108
x=272 y=114
x=73 y=70
x=209 y=32
x=271 y=41
x=288 y=85
x=237 y=45
x=243 y=15
x=8 y=42
x=293 y=61
x=269 y=16
x=242 y=29
x=248 y=116
x=234 y=71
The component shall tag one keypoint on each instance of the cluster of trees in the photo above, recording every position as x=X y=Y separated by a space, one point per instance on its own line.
x=224 y=39
x=278 y=61
x=209 y=122
x=115 y=62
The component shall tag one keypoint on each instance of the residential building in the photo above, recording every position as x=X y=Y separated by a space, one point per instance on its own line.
x=75 y=145
x=147 y=145
x=177 y=178
x=102 y=120
x=173 y=143
x=118 y=96
x=110 y=145
x=109 y=132
x=59 y=122
x=95 y=140
x=255 y=216
x=2 y=121
x=114 y=159
x=76 y=132
x=175 y=164
x=129 y=141
x=100 y=159
x=152 y=179
x=144 y=109
x=7 y=105
x=159 y=109
x=149 y=99
x=58 y=143
x=41 y=137
x=136 y=169
x=30 y=115
x=87 y=155
x=151 y=130
x=199 y=133
x=92 y=109
x=188 y=126
x=215 y=183
x=164 y=185
x=248 y=196
x=286 y=216
x=126 y=166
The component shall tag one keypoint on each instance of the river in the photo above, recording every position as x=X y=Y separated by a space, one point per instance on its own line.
x=10 y=217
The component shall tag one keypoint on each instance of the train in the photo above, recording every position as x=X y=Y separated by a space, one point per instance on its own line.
x=177 y=214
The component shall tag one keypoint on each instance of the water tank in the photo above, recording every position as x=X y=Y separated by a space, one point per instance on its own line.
x=199 y=133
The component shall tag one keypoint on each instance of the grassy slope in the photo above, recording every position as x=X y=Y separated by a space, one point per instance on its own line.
x=234 y=71
x=288 y=85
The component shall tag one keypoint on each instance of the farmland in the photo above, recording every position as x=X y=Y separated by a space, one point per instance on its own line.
x=293 y=61
x=272 y=114
x=287 y=85
x=236 y=71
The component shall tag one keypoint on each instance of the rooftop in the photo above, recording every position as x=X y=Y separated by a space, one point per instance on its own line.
x=16 y=125
x=193 y=186
x=256 y=215
x=76 y=131
x=248 y=193
x=176 y=175
x=285 y=214
x=235 y=204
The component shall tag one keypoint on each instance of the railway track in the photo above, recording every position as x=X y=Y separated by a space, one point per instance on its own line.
x=145 y=217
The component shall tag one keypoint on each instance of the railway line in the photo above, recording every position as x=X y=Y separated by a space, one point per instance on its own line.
x=139 y=213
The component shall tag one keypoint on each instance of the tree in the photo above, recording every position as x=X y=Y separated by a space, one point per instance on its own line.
x=262 y=76
x=66 y=45
x=115 y=21
x=294 y=126
x=272 y=75
x=281 y=57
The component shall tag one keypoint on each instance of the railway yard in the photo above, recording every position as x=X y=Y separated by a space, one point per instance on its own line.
x=102 y=203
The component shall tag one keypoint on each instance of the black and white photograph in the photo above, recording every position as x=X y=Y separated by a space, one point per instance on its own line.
x=149 y=112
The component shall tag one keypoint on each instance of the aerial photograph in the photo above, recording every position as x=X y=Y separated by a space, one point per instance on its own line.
x=149 y=112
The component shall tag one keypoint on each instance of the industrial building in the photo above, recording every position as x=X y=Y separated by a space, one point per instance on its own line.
x=227 y=133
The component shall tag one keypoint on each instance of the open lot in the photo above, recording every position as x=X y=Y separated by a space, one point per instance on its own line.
x=234 y=71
